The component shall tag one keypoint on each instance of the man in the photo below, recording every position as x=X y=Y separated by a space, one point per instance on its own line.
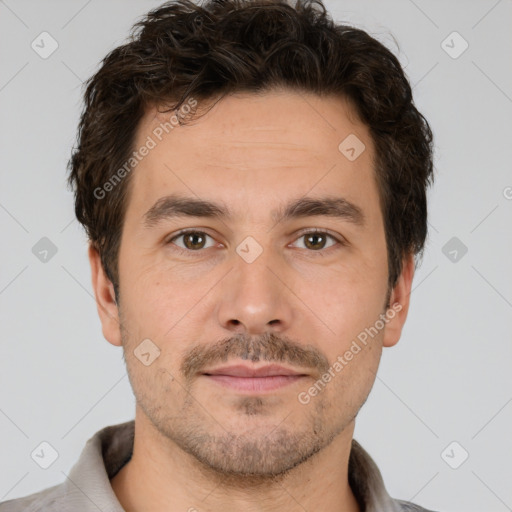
x=252 y=179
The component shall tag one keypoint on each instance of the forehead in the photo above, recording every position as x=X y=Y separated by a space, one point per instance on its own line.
x=285 y=121
x=250 y=149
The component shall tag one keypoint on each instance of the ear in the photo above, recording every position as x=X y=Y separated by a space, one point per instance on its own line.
x=105 y=299
x=399 y=303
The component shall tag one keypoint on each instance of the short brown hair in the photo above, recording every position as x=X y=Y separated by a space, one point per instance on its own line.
x=182 y=50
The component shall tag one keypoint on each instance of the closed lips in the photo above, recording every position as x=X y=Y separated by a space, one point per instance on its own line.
x=245 y=371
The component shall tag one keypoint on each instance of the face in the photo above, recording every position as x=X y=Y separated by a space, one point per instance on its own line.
x=283 y=262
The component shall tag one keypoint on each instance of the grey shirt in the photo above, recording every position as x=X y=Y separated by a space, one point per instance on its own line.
x=88 y=489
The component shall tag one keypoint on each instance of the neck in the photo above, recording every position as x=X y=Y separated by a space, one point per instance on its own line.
x=162 y=477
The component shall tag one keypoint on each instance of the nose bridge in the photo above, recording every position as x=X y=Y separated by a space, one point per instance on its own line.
x=253 y=297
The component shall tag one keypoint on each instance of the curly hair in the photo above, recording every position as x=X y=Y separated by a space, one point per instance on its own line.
x=182 y=50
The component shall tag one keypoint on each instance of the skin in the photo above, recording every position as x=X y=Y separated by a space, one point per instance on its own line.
x=199 y=445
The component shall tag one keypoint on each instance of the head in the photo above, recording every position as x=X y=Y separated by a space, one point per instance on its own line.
x=290 y=150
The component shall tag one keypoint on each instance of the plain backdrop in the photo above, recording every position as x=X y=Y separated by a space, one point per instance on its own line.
x=442 y=394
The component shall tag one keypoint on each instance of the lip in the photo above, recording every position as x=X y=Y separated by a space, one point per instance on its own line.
x=240 y=370
x=247 y=379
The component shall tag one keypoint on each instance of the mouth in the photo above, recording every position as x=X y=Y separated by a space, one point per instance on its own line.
x=249 y=379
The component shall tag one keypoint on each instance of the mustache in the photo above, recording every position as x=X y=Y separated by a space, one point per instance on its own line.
x=267 y=347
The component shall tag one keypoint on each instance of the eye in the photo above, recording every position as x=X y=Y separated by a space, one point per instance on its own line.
x=192 y=240
x=315 y=240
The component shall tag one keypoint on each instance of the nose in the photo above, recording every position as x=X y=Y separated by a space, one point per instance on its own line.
x=254 y=298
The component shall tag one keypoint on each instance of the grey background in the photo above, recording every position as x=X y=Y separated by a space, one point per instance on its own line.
x=449 y=377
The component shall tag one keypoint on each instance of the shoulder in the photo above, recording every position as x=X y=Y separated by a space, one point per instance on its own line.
x=47 y=500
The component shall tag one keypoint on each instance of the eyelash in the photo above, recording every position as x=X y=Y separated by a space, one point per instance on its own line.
x=321 y=252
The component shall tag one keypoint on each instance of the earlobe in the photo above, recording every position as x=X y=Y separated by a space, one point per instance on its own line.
x=399 y=303
x=105 y=299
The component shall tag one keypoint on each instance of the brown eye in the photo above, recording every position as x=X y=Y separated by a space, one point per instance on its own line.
x=317 y=240
x=194 y=240
x=191 y=240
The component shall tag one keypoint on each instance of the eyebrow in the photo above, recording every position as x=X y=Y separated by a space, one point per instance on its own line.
x=175 y=206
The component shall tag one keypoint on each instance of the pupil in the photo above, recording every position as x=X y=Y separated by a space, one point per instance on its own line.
x=192 y=236
x=312 y=237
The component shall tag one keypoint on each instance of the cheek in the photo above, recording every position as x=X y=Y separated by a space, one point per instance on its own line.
x=155 y=387
x=343 y=389
x=157 y=297
x=358 y=374
x=346 y=299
